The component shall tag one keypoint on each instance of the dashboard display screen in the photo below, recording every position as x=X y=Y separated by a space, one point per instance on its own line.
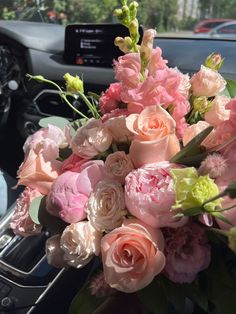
x=93 y=44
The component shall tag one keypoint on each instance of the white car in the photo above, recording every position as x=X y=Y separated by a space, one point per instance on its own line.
x=223 y=31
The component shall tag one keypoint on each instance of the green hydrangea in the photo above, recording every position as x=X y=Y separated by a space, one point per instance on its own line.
x=193 y=190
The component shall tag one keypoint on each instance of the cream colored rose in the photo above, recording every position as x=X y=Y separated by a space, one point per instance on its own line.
x=218 y=113
x=118 y=129
x=91 y=139
x=80 y=242
x=207 y=82
x=118 y=165
x=106 y=206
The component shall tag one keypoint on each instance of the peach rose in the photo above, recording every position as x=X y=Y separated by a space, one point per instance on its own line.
x=155 y=138
x=39 y=170
x=118 y=165
x=218 y=113
x=91 y=139
x=132 y=255
x=207 y=82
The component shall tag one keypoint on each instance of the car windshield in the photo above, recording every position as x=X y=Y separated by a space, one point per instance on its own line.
x=169 y=17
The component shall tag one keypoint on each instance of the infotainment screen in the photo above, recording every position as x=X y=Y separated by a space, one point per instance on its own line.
x=93 y=44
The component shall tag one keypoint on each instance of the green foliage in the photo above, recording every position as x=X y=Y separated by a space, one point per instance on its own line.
x=230 y=90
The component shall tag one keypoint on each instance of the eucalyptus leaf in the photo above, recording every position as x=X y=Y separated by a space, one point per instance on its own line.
x=34 y=209
x=193 y=147
x=60 y=122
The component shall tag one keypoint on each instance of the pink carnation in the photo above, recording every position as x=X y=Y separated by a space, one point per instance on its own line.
x=110 y=100
x=21 y=222
x=70 y=191
x=187 y=252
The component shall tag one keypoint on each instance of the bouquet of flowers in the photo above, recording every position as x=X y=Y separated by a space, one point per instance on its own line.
x=144 y=185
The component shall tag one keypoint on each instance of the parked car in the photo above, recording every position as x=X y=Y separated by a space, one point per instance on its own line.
x=207 y=25
x=224 y=31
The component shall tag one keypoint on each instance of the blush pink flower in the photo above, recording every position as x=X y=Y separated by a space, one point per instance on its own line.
x=145 y=49
x=70 y=192
x=118 y=129
x=218 y=112
x=80 y=243
x=127 y=69
x=154 y=131
x=132 y=256
x=149 y=195
x=72 y=163
x=187 y=253
x=91 y=139
x=39 y=169
x=156 y=62
x=118 y=165
x=100 y=288
x=207 y=82
x=21 y=223
x=110 y=100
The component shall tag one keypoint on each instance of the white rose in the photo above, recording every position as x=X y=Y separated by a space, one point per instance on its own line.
x=105 y=207
x=80 y=242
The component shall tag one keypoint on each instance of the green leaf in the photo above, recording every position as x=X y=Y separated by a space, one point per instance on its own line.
x=231 y=189
x=34 y=209
x=192 y=211
x=194 y=161
x=230 y=89
x=218 y=215
x=60 y=122
x=154 y=298
x=84 y=302
x=193 y=147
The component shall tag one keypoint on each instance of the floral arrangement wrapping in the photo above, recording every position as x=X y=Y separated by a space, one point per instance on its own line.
x=145 y=185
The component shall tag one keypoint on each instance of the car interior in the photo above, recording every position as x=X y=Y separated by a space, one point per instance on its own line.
x=28 y=284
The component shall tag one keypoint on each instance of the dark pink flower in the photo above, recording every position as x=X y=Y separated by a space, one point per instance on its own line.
x=111 y=98
x=187 y=252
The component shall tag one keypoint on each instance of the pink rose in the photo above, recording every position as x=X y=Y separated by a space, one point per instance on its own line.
x=218 y=113
x=118 y=129
x=128 y=69
x=21 y=223
x=149 y=195
x=54 y=253
x=132 y=256
x=80 y=243
x=156 y=62
x=39 y=169
x=53 y=135
x=91 y=139
x=110 y=100
x=118 y=165
x=106 y=206
x=70 y=192
x=72 y=163
x=155 y=138
x=187 y=252
x=207 y=82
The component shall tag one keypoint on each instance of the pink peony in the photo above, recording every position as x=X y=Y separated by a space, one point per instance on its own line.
x=70 y=192
x=91 y=139
x=128 y=69
x=187 y=252
x=155 y=138
x=110 y=100
x=149 y=195
x=39 y=169
x=80 y=243
x=132 y=256
x=21 y=223
x=207 y=82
